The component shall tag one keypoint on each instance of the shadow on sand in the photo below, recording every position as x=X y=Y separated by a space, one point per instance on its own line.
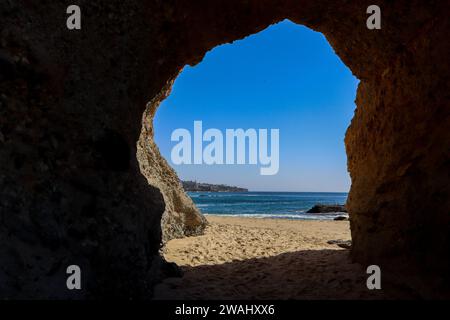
x=308 y=274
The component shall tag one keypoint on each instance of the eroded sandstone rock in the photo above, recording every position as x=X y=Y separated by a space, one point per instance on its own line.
x=181 y=217
x=71 y=101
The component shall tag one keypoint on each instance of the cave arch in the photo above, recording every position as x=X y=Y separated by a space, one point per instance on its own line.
x=69 y=207
x=378 y=235
x=178 y=206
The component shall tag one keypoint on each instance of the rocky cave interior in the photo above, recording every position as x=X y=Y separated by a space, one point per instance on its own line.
x=72 y=103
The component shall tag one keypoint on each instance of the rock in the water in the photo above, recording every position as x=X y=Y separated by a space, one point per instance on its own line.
x=325 y=208
x=341 y=218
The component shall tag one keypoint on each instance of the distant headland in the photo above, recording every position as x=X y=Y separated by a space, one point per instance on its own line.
x=207 y=187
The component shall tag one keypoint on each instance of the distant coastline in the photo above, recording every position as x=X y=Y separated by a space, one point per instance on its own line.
x=194 y=186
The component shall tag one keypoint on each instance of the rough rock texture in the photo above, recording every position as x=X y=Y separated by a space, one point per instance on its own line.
x=399 y=156
x=181 y=217
x=71 y=106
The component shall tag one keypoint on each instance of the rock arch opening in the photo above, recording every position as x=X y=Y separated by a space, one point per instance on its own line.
x=65 y=200
x=370 y=197
x=285 y=77
x=238 y=81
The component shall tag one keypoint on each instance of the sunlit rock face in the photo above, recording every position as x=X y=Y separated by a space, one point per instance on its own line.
x=181 y=217
x=82 y=181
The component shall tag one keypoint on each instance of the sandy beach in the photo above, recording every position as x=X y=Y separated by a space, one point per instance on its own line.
x=248 y=258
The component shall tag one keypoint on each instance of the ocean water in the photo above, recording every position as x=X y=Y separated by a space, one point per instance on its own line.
x=285 y=205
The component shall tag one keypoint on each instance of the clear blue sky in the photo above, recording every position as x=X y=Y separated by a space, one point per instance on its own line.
x=286 y=77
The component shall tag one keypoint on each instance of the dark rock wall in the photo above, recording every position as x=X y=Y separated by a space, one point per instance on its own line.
x=71 y=188
x=71 y=111
x=398 y=157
